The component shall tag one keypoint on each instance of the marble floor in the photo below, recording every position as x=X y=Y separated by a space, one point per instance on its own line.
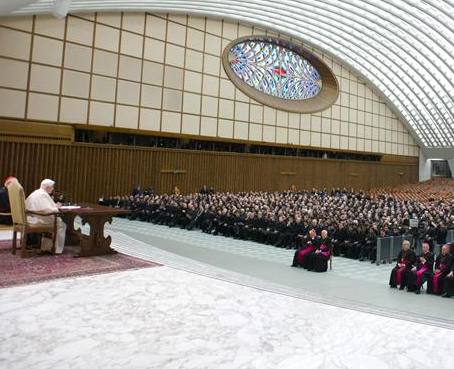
x=193 y=313
x=353 y=284
x=158 y=235
x=166 y=318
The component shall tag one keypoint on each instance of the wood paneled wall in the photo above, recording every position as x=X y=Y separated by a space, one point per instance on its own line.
x=87 y=171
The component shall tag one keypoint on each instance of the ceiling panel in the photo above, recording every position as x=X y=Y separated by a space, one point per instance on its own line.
x=403 y=48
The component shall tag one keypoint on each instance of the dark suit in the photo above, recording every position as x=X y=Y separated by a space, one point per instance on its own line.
x=436 y=282
x=417 y=277
x=4 y=206
x=399 y=275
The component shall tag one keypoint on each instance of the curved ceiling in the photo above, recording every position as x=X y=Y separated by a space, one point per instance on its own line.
x=403 y=48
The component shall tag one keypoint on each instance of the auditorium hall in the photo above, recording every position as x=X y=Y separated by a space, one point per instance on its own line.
x=226 y=184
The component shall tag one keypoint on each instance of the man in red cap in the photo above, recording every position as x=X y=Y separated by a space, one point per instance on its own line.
x=4 y=201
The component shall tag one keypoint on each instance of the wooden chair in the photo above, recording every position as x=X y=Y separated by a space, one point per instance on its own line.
x=20 y=223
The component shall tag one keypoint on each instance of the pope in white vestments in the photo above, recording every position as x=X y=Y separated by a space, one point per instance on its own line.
x=40 y=200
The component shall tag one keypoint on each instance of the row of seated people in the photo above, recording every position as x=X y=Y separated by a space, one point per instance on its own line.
x=413 y=271
x=351 y=241
x=315 y=252
x=353 y=219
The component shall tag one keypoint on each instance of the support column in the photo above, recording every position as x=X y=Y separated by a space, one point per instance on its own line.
x=425 y=167
x=451 y=166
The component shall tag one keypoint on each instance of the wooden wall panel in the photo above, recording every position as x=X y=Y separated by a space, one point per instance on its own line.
x=88 y=171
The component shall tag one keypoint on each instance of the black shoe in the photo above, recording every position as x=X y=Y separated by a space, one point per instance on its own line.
x=446 y=295
x=401 y=288
x=392 y=286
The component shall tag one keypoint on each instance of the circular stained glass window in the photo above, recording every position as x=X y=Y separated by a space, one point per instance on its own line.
x=274 y=70
x=280 y=74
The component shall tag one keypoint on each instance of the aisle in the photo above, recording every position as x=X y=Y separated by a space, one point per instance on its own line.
x=364 y=289
x=341 y=266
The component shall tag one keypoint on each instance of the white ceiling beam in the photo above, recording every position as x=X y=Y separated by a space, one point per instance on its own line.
x=8 y=6
x=61 y=8
x=403 y=49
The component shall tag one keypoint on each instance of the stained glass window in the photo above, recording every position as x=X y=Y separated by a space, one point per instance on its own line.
x=274 y=70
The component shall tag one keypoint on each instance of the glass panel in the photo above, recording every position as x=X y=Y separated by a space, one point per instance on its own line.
x=275 y=70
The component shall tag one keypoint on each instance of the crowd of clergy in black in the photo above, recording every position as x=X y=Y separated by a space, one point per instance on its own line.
x=315 y=223
x=353 y=220
x=413 y=271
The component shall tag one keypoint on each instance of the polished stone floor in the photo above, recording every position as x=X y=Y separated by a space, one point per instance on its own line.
x=351 y=283
x=168 y=318
x=213 y=307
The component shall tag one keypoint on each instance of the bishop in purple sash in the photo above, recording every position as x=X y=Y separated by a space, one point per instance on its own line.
x=423 y=268
x=405 y=262
x=443 y=264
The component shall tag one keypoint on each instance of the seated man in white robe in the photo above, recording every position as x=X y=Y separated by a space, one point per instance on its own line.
x=40 y=201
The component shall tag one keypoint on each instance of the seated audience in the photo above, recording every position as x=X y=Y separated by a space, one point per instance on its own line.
x=317 y=261
x=369 y=248
x=176 y=191
x=405 y=262
x=449 y=280
x=443 y=266
x=354 y=220
x=136 y=191
x=428 y=191
x=309 y=244
x=41 y=201
x=423 y=267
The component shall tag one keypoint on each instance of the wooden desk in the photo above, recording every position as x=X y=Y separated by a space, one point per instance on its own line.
x=96 y=216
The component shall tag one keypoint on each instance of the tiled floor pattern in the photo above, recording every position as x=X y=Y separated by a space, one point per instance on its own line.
x=341 y=266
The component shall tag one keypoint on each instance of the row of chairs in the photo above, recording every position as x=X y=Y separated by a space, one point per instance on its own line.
x=436 y=188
